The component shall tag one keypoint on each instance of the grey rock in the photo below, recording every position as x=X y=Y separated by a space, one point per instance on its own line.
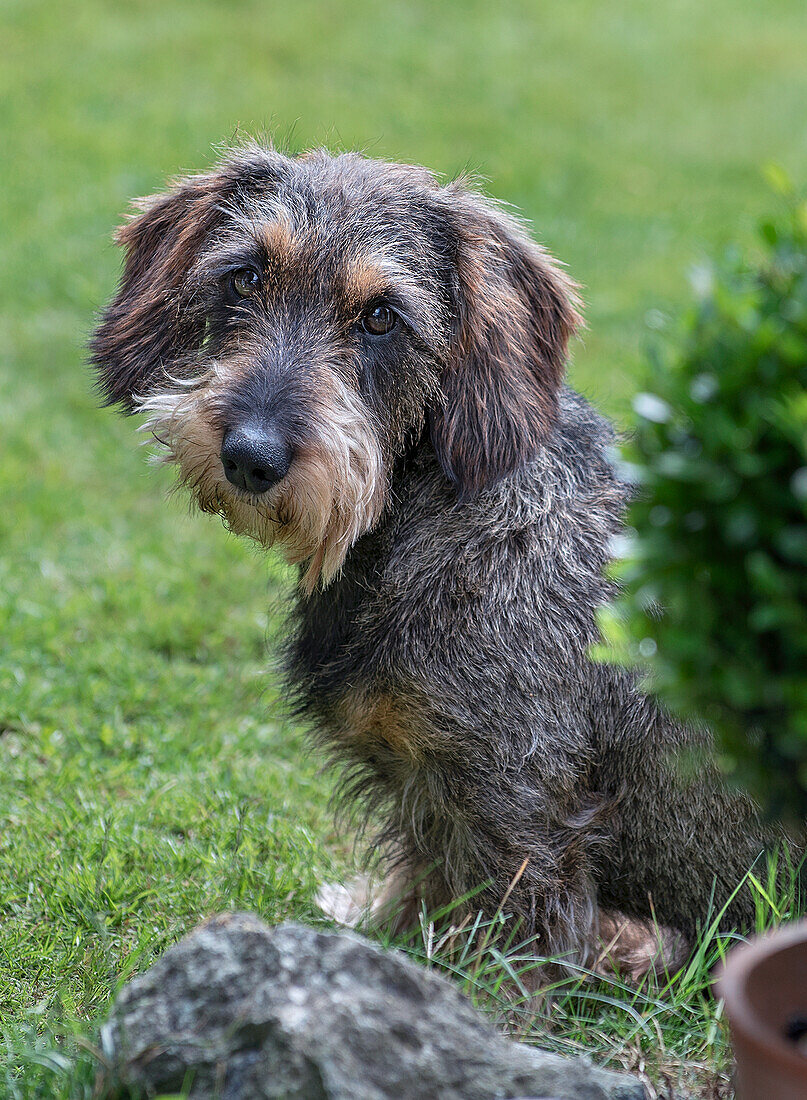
x=255 y=1012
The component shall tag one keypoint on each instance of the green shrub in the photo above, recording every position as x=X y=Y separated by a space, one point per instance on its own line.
x=714 y=566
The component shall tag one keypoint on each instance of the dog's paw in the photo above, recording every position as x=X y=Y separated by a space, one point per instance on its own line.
x=347 y=903
x=631 y=949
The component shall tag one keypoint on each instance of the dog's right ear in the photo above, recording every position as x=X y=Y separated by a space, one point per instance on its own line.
x=148 y=322
x=515 y=310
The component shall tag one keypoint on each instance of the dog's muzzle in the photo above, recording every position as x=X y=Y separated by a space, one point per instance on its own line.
x=254 y=457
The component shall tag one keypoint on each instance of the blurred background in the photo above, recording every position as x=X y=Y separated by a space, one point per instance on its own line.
x=147 y=772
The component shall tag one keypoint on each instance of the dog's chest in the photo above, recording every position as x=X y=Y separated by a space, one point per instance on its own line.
x=358 y=661
x=377 y=723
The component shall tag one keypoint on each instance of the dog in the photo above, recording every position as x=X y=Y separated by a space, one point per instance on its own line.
x=359 y=365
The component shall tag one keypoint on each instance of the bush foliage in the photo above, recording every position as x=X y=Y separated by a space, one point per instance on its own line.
x=713 y=571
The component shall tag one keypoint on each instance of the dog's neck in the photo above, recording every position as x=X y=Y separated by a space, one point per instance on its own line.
x=324 y=624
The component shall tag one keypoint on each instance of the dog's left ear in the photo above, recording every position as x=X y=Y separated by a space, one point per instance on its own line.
x=515 y=312
x=149 y=321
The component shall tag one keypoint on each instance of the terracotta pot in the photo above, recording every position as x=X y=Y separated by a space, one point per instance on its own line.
x=764 y=985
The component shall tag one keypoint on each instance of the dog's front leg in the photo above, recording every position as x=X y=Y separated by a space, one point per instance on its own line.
x=483 y=838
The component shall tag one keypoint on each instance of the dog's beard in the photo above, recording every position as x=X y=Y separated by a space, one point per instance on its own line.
x=333 y=493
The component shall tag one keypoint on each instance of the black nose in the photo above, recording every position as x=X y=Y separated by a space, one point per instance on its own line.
x=254 y=458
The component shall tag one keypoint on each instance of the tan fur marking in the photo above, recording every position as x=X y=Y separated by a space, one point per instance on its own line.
x=632 y=948
x=279 y=238
x=385 y=719
x=364 y=279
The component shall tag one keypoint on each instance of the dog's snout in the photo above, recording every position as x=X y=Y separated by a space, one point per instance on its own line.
x=254 y=457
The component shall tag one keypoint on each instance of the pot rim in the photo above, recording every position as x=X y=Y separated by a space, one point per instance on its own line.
x=731 y=983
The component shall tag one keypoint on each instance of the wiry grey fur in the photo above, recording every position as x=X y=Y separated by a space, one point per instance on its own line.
x=479 y=615
x=451 y=506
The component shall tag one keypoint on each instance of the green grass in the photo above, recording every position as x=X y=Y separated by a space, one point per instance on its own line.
x=147 y=774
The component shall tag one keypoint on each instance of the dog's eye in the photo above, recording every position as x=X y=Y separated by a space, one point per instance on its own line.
x=245 y=282
x=379 y=320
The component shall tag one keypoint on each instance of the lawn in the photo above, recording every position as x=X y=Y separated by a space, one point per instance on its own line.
x=148 y=775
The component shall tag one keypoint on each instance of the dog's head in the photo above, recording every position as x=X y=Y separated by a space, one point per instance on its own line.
x=291 y=324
